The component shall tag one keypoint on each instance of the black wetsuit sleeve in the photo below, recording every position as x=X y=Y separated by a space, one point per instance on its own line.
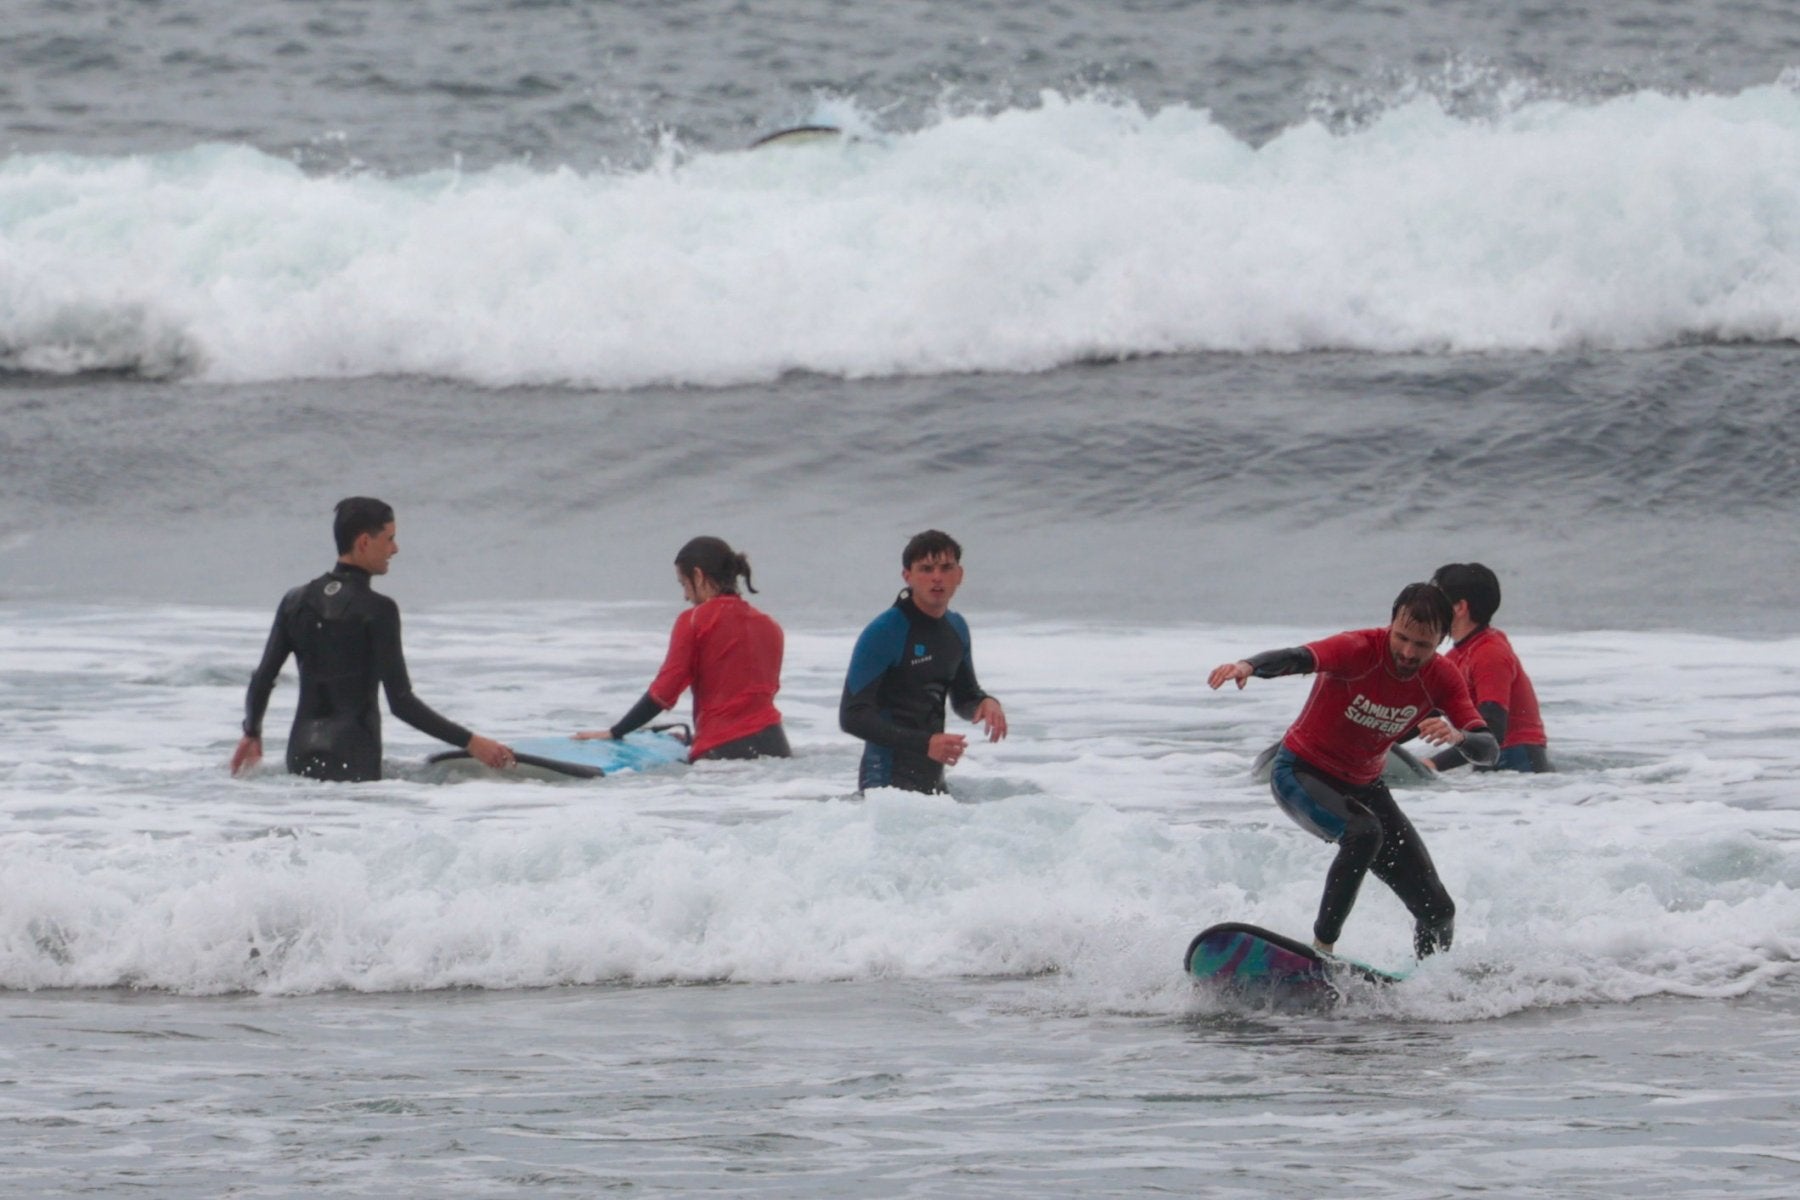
x=859 y=715
x=262 y=680
x=1495 y=715
x=965 y=691
x=390 y=662
x=645 y=710
x=1272 y=664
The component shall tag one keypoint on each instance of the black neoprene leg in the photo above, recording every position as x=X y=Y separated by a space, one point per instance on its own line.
x=1358 y=848
x=1405 y=866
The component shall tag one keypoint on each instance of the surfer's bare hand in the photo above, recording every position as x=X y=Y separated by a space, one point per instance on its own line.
x=992 y=718
x=1225 y=672
x=490 y=753
x=594 y=735
x=1440 y=732
x=946 y=748
x=247 y=754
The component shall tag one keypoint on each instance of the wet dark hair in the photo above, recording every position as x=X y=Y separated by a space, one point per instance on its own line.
x=1425 y=604
x=929 y=544
x=357 y=515
x=1474 y=583
x=714 y=558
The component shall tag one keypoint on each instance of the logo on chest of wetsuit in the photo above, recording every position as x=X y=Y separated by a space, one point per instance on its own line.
x=919 y=655
x=1383 y=718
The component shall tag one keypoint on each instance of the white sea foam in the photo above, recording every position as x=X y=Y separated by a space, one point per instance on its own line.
x=1117 y=821
x=1011 y=242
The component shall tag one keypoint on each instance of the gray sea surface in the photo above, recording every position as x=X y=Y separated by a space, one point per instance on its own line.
x=885 y=1088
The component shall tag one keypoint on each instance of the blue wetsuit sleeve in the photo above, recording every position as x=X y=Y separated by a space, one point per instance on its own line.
x=965 y=691
x=879 y=649
x=390 y=662
x=262 y=680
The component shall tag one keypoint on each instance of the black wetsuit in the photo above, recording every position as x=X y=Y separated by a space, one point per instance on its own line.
x=346 y=638
x=904 y=667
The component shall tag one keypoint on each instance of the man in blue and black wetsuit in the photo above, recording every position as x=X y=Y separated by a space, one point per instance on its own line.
x=906 y=663
x=346 y=638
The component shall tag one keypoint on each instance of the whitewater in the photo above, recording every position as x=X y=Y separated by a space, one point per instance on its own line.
x=1072 y=230
x=1122 y=814
x=726 y=953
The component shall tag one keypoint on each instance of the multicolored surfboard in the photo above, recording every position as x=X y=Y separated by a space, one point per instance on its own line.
x=1257 y=963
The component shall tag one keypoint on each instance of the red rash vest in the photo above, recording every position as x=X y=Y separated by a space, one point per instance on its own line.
x=1494 y=676
x=1359 y=707
x=730 y=654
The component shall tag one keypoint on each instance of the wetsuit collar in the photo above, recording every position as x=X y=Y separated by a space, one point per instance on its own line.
x=904 y=602
x=1474 y=634
x=349 y=572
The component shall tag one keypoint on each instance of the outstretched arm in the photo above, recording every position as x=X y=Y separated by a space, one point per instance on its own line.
x=675 y=677
x=642 y=713
x=1270 y=664
x=391 y=663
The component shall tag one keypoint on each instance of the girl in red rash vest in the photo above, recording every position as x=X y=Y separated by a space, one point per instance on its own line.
x=727 y=651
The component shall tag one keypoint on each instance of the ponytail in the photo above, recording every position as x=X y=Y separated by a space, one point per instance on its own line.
x=714 y=558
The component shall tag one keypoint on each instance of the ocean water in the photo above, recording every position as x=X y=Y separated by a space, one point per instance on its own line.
x=1205 y=327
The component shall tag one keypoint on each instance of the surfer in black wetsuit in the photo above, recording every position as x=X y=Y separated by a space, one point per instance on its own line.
x=907 y=662
x=346 y=638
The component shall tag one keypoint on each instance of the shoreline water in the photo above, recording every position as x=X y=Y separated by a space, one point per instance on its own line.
x=890 y=1088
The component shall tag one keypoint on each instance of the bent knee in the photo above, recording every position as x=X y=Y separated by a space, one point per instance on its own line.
x=1362 y=837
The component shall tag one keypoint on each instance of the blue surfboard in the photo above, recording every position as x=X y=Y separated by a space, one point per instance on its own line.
x=1255 y=963
x=590 y=759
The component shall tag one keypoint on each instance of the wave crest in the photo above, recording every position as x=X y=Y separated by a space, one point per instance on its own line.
x=1078 y=229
